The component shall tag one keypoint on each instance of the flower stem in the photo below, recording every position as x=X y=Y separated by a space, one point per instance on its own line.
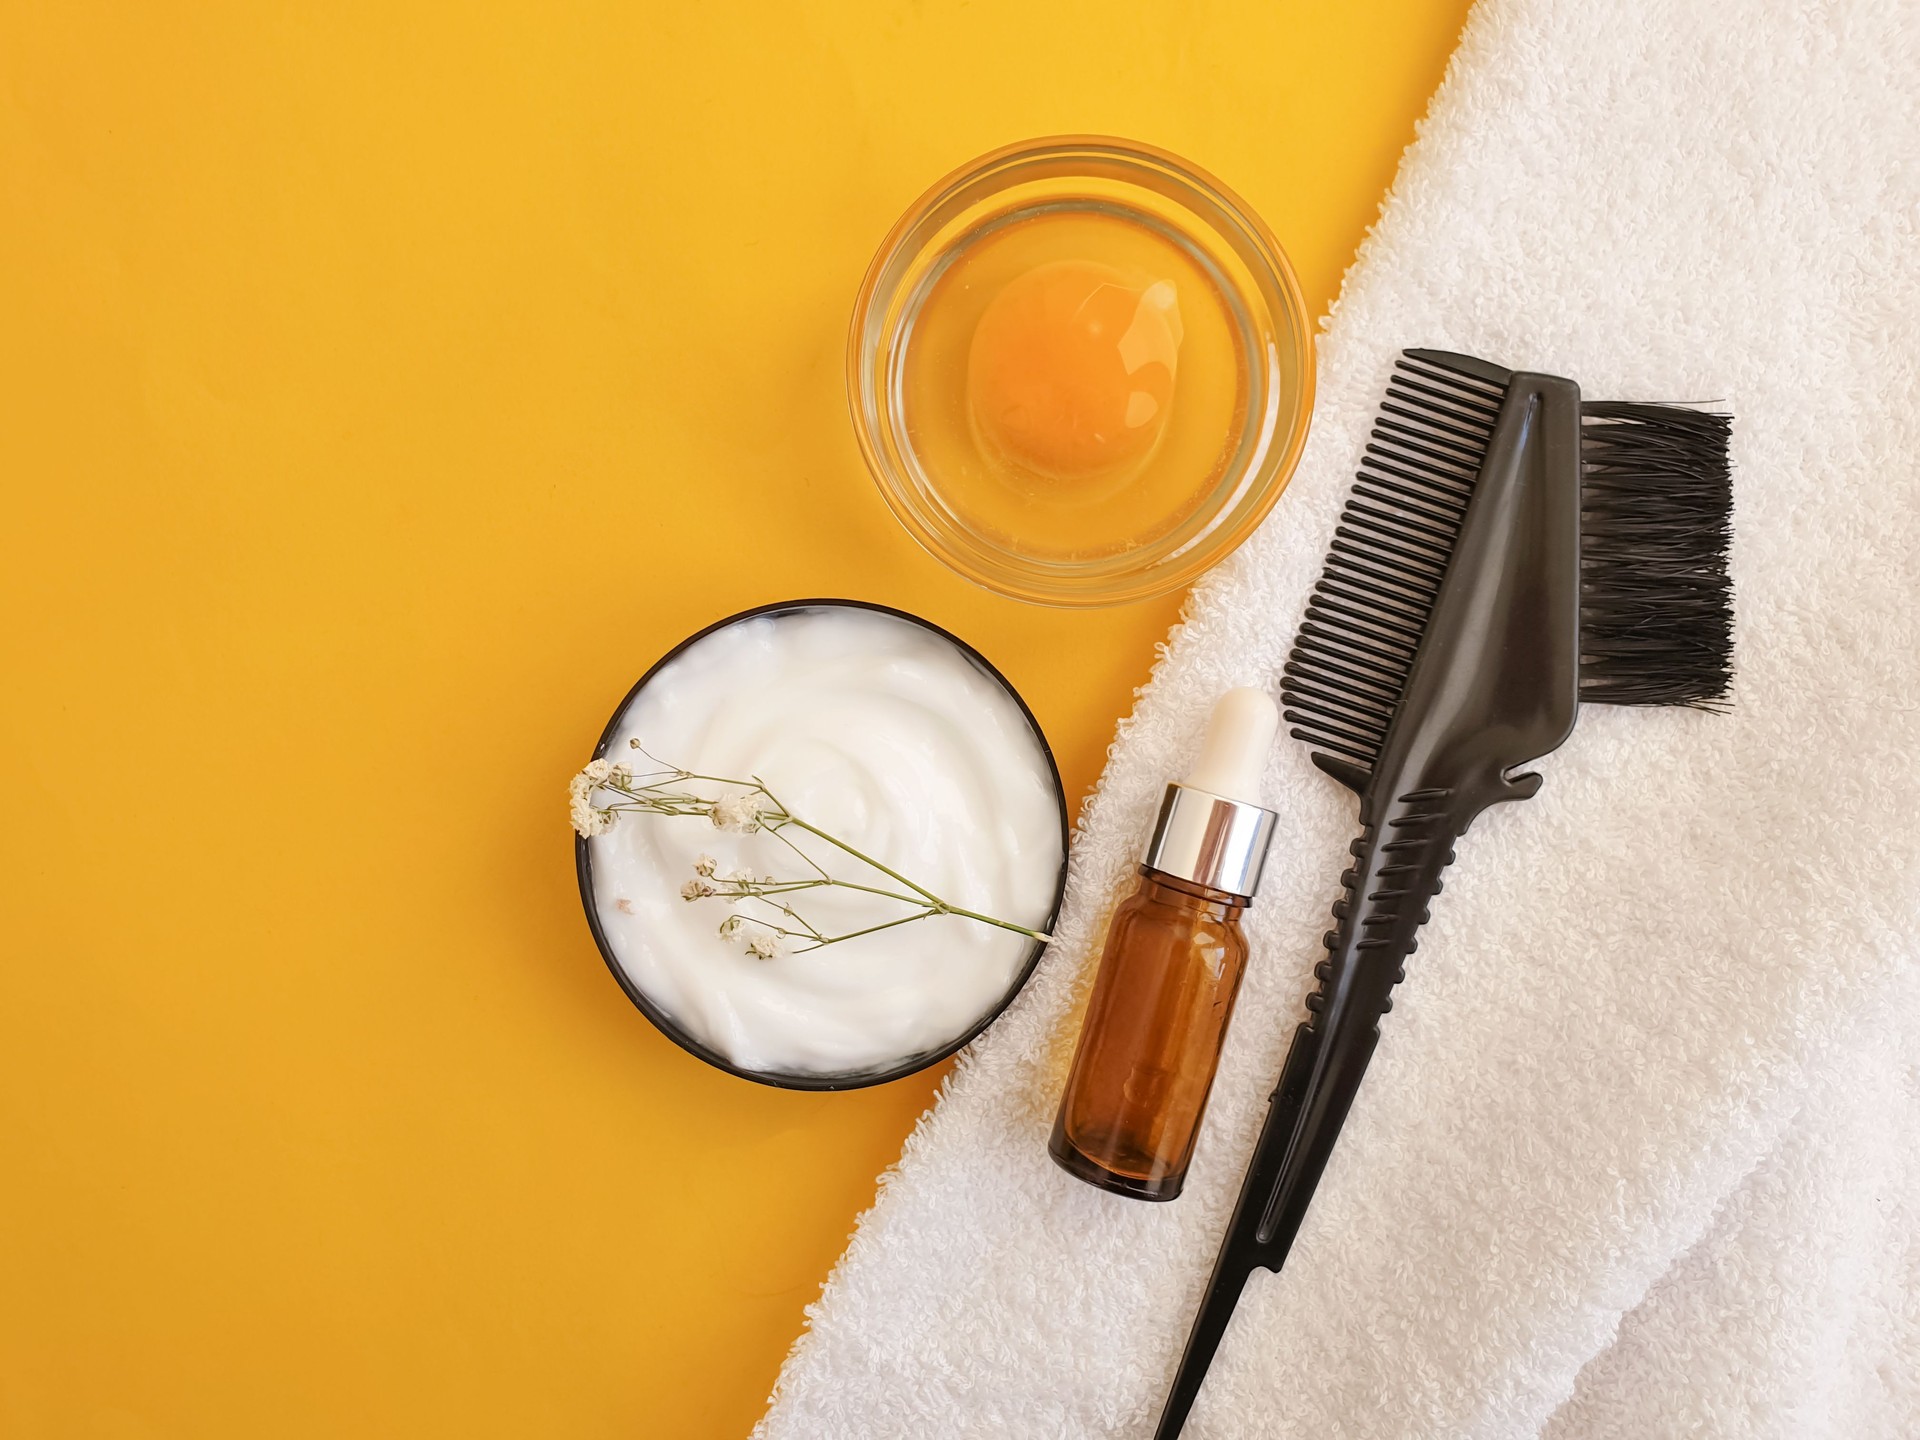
x=649 y=794
x=935 y=905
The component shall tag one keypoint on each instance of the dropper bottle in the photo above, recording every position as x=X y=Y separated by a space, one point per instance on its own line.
x=1171 y=967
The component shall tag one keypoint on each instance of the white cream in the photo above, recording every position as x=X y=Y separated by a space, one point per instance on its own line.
x=883 y=734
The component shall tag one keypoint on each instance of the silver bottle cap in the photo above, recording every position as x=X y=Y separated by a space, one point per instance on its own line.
x=1211 y=841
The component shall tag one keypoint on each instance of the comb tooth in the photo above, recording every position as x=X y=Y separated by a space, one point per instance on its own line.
x=1438 y=527
x=1398 y=609
x=1489 y=390
x=1360 y=564
x=1392 y=649
x=1416 y=475
x=1409 y=615
x=1360 y=723
x=1313 y=728
x=1416 y=580
x=1366 y=694
x=1340 y=725
x=1460 y=444
x=1351 y=724
x=1353 y=661
x=1452 y=483
x=1386 y=665
x=1383 y=541
x=1473 y=437
x=1303 y=729
x=1442 y=406
x=1400 y=593
x=1379 y=565
x=1427 y=452
x=1365 y=618
x=1342 y=640
x=1377 y=627
x=1402 y=527
x=1443 y=387
x=1440 y=509
x=1431 y=441
x=1334 y=708
x=1435 y=393
x=1428 y=423
x=1380 y=684
x=1444 y=520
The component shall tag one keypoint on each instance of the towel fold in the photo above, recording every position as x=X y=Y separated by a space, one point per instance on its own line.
x=1636 y=1153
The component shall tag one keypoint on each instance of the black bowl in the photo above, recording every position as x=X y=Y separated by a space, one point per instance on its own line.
x=853 y=1080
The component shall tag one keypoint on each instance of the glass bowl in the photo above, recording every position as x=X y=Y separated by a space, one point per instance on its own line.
x=1185 y=206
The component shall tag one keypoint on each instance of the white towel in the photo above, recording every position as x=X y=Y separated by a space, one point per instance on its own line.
x=1636 y=1154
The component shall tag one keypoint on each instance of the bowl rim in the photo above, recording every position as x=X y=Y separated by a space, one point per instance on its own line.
x=1179 y=572
x=847 y=1080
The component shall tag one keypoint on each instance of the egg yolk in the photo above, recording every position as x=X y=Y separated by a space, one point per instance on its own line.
x=1071 y=370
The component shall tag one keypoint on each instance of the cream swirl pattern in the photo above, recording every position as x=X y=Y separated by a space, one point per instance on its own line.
x=886 y=734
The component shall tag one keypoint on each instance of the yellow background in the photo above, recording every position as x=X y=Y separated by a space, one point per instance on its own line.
x=382 y=388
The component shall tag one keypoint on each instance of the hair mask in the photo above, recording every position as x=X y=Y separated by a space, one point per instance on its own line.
x=893 y=738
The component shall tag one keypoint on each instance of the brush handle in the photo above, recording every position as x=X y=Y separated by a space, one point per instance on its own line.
x=1242 y=1254
x=1398 y=863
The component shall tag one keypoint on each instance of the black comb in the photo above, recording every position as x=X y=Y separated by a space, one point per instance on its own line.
x=1656 y=604
x=1507 y=552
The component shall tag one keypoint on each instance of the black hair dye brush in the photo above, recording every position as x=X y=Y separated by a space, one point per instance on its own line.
x=1507 y=553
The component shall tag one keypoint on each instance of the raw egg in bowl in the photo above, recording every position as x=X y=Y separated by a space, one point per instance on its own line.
x=1080 y=371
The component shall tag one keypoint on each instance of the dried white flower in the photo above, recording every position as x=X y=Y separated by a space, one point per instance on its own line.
x=739 y=813
x=586 y=817
x=745 y=808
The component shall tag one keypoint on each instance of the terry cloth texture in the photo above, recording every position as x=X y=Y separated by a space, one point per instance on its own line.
x=1639 y=1152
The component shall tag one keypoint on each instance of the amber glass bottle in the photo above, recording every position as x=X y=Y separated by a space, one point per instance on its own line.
x=1171 y=967
x=1158 y=1015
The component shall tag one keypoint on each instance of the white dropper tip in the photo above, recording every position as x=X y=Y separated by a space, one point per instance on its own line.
x=1233 y=757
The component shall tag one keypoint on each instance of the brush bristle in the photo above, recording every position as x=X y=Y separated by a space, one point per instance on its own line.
x=1656 y=599
x=1349 y=665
